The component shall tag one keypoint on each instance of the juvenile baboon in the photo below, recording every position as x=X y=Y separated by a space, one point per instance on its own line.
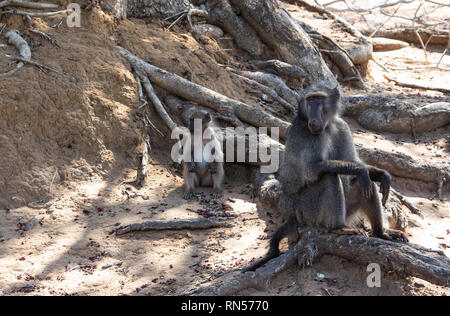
x=323 y=181
x=206 y=166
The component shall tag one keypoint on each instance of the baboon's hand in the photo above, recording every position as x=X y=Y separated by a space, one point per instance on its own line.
x=366 y=184
x=385 y=187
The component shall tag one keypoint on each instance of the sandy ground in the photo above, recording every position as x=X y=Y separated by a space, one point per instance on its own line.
x=84 y=125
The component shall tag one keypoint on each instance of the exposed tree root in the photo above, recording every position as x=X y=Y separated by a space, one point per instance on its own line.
x=269 y=91
x=27 y=4
x=391 y=115
x=281 y=68
x=405 y=259
x=403 y=166
x=221 y=13
x=416 y=85
x=360 y=54
x=276 y=83
x=17 y=41
x=276 y=28
x=203 y=96
x=339 y=56
x=177 y=224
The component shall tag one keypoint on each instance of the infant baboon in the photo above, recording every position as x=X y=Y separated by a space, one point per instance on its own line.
x=206 y=166
x=323 y=181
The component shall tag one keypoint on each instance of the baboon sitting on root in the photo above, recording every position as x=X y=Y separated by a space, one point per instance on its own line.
x=323 y=181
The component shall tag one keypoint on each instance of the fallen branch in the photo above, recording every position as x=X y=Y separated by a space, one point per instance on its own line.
x=178 y=224
x=405 y=259
x=415 y=85
x=359 y=55
x=21 y=45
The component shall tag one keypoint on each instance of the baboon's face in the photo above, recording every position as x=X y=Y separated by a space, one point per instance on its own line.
x=317 y=110
x=205 y=120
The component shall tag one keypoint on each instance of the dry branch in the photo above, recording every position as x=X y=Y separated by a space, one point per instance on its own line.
x=201 y=95
x=17 y=41
x=178 y=224
x=405 y=259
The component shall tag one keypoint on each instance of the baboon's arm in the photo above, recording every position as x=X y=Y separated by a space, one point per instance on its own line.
x=348 y=168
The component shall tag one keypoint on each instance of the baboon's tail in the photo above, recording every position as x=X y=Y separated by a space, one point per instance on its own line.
x=286 y=229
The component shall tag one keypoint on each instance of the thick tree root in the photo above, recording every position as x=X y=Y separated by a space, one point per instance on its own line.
x=178 y=224
x=17 y=41
x=203 y=96
x=276 y=83
x=276 y=28
x=339 y=56
x=405 y=259
x=222 y=14
x=391 y=115
x=281 y=68
x=403 y=166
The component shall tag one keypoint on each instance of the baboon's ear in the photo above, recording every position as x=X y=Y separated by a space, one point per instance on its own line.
x=334 y=96
x=207 y=117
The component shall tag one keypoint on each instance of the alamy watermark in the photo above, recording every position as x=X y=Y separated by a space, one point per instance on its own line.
x=374 y=278
x=240 y=144
x=74 y=18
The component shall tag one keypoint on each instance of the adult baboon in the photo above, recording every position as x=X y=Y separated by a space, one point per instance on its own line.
x=323 y=181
